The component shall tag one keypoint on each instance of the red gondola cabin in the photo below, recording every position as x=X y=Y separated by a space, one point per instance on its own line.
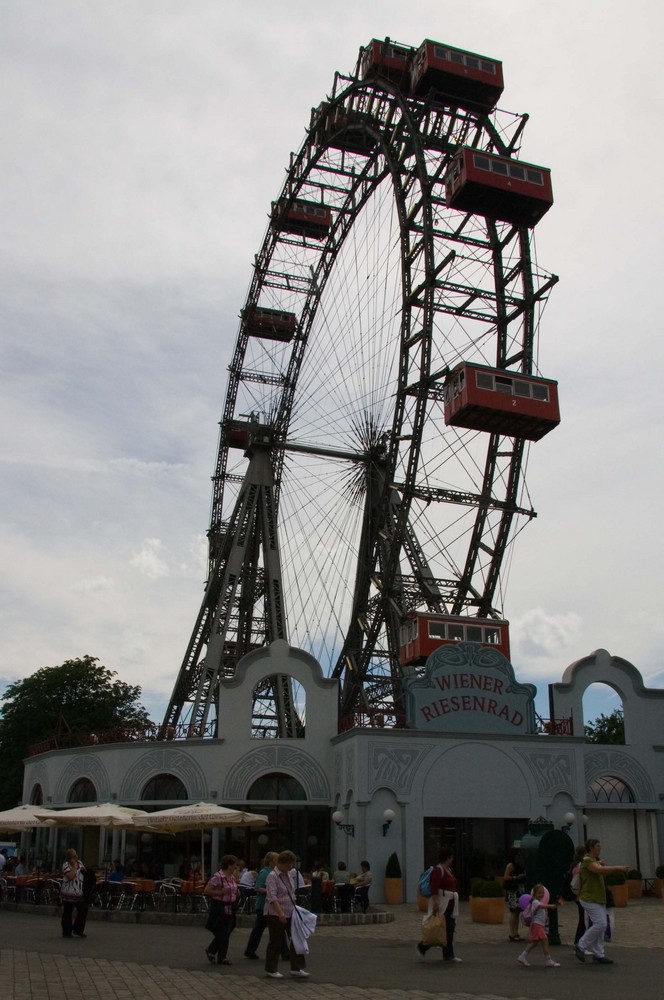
x=304 y=218
x=424 y=631
x=385 y=59
x=457 y=77
x=498 y=187
x=270 y=324
x=340 y=128
x=501 y=402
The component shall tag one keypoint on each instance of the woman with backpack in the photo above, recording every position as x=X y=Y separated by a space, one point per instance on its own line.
x=444 y=899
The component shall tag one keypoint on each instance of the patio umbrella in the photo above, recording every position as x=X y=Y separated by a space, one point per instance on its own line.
x=25 y=817
x=200 y=816
x=106 y=814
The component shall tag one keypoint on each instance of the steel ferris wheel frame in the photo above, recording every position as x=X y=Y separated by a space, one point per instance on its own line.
x=445 y=285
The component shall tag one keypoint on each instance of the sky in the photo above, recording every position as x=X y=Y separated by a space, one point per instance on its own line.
x=143 y=142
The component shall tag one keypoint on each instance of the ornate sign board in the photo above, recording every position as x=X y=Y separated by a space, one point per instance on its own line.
x=469 y=688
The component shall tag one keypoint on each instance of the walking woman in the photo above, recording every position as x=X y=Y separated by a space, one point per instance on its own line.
x=592 y=896
x=444 y=899
x=224 y=892
x=279 y=906
x=73 y=897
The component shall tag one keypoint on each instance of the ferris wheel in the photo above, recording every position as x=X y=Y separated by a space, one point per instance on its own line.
x=397 y=269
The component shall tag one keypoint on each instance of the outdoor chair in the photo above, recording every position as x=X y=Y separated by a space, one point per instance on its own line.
x=361 y=900
x=246 y=900
x=167 y=897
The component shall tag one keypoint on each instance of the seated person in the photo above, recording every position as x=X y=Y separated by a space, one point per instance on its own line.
x=320 y=870
x=247 y=879
x=118 y=873
x=299 y=884
x=21 y=867
x=345 y=890
x=362 y=883
x=342 y=874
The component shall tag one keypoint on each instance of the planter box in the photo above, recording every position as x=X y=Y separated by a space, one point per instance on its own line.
x=634 y=888
x=487 y=911
x=393 y=891
x=620 y=894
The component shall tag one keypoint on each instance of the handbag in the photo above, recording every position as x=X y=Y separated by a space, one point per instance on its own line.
x=72 y=889
x=434 y=931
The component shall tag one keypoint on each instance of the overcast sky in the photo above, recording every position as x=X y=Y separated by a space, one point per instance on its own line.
x=143 y=141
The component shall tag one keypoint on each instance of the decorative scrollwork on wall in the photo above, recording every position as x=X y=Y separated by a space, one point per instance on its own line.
x=86 y=765
x=166 y=760
x=394 y=767
x=618 y=764
x=552 y=770
x=276 y=758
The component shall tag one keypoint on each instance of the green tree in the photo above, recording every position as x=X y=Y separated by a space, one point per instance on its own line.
x=79 y=696
x=606 y=728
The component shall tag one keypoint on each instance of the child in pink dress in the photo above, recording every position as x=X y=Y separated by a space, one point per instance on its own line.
x=538 y=928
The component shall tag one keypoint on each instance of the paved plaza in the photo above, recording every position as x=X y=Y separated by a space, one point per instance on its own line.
x=132 y=961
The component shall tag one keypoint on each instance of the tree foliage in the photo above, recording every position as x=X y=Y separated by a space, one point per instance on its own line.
x=606 y=728
x=80 y=696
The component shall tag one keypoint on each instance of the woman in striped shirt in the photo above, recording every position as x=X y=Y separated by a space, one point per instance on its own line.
x=279 y=905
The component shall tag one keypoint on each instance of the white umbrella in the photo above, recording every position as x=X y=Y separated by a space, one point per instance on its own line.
x=96 y=814
x=25 y=817
x=200 y=816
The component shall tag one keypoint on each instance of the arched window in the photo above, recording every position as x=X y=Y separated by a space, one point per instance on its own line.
x=603 y=716
x=83 y=791
x=164 y=786
x=276 y=786
x=37 y=796
x=608 y=789
x=287 y=721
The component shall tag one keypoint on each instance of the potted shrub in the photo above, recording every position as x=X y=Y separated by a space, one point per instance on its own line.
x=487 y=902
x=658 y=881
x=393 y=880
x=634 y=884
x=617 y=883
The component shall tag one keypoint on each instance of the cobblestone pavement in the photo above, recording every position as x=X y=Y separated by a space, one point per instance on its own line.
x=121 y=961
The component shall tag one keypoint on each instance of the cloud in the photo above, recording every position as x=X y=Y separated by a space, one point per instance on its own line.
x=152 y=560
x=539 y=637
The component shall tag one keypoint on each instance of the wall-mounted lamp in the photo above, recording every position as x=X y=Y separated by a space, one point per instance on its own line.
x=570 y=819
x=584 y=818
x=263 y=839
x=388 y=816
x=348 y=828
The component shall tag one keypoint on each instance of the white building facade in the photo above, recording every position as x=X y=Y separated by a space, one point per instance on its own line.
x=469 y=769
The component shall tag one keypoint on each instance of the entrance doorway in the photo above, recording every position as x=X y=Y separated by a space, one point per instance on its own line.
x=480 y=845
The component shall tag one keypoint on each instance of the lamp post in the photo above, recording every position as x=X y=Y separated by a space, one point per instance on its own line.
x=570 y=819
x=348 y=828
